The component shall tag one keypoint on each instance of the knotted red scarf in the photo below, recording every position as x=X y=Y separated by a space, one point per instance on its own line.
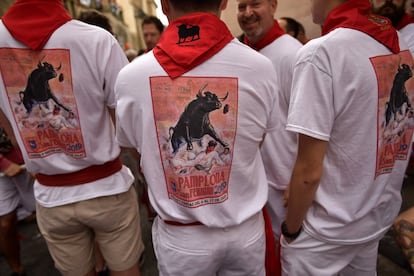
x=355 y=14
x=189 y=41
x=407 y=19
x=274 y=33
x=32 y=22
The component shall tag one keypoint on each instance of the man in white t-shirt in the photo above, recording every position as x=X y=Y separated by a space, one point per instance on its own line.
x=404 y=23
x=193 y=93
x=401 y=20
x=60 y=77
x=351 y=88
x=262 y=33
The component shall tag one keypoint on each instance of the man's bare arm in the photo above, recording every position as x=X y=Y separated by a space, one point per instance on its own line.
x=305 y=180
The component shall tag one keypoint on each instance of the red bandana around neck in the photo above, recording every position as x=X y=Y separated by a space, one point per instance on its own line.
x=274 y=33
x=407 y=19
x=189 y=41
x=355 y=14
x=32 y=22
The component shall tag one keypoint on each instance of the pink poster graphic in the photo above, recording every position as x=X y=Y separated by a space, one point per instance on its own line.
x=395 y=110
x=40 y=94
x=196 y=119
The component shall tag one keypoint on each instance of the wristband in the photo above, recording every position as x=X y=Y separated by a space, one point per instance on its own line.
x=286 y=233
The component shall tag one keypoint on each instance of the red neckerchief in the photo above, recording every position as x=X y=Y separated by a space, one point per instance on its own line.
x=189 y=41
x=274 y=33
x=355 y=14
x=32 y=22
x=407 y=19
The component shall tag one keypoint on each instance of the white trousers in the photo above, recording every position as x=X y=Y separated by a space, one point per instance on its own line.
x=199 y=250
x=309 y=256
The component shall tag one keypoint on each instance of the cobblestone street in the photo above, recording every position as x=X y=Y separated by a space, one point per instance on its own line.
x=37 y=261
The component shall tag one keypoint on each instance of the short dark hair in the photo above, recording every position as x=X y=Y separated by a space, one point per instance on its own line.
x=293 y=26
x=196 y=5
x=153 y=20
x=212 y=143
x=96 y=18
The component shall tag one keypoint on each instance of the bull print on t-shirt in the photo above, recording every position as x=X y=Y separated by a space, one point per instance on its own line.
x=38 y=90
x=395 y=110
x=399 y=102
x=196 y=122
x=40 y=93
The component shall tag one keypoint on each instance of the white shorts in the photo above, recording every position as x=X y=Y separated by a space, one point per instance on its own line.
x=309 y=256
x=199 y=250
x=16 y=191
x=277 y=211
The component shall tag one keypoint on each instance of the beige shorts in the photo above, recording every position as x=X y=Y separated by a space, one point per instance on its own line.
x=70 y=231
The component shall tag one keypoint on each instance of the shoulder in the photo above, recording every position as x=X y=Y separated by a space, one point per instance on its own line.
x=339 y=44
x=283 y=50
x=140 y=70
x=408 y=28
x=243 y=56
x=286 y=42
x=78 y=30
x=407 y=35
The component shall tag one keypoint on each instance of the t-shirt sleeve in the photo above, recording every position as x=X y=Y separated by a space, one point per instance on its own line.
x=126 y=128
x=116 y=61
x=311 y=108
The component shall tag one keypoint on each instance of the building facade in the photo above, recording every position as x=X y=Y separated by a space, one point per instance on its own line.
x=125 y=16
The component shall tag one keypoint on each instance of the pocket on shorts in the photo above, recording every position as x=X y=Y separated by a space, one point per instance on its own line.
x=182 y=239
x=179 y=257
x=301 y=237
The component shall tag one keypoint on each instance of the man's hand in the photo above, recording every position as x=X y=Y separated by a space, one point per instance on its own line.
x=12 y=170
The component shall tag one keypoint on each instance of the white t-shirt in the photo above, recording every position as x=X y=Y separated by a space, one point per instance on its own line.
x=154 y=113
x=407 y=34
x=280 y=147
x=340 y=94
x=79 y=64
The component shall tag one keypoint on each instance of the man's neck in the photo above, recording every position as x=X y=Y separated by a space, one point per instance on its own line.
x=174 y=14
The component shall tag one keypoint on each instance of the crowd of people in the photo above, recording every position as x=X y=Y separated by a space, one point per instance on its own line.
x=266 y=154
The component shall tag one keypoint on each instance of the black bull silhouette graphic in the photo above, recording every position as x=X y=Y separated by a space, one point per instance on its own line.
x=194 y=122
x=185 y=31
x=38 y=90
x=398 y=95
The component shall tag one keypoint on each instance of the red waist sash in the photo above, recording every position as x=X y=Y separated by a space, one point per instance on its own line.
x=89 y=174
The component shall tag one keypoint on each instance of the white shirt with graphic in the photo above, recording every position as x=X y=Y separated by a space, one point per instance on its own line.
x=71 y=129
x=170 y=122
x=342 y=93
